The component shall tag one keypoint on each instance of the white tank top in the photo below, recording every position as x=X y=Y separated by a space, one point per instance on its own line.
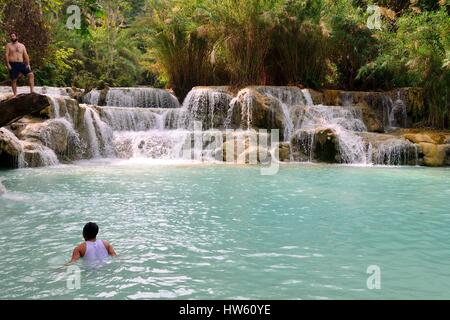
x=95 y=252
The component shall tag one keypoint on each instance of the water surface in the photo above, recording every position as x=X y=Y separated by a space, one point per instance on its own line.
x=225 y=232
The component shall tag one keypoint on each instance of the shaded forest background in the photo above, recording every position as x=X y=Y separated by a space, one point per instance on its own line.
x=179 y=44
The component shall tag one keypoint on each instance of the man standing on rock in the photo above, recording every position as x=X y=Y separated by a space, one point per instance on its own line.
x=18 y=62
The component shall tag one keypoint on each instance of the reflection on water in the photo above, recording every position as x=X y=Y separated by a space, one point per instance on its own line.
x=223 y=232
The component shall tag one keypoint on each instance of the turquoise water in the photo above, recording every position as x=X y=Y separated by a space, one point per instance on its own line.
x=226 y=232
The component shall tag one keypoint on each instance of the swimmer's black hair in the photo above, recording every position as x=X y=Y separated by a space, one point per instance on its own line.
x=13 y=33
x=90 y=231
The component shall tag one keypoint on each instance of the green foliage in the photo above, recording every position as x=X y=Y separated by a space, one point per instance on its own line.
x=180 y=44
x=416 y=53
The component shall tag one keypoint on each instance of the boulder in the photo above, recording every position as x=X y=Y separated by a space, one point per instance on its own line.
x=434 y=155
x=245 y=147
x=317 y=96
x=252 y=109
x=332 y=98
x=420 y=138
x=37 y=155
x=53 y=133
x=320 y=144
x=284 y=152
x=301 y=145
x=370 y=119
x=10 y=149
x=24 y=104
x=326 y=145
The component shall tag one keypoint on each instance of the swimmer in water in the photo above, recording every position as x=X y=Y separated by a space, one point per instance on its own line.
x=92 y=250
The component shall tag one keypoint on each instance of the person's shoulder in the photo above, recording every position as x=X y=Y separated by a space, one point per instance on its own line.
x=81 y=246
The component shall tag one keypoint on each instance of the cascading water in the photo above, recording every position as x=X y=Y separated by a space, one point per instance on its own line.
x=92 y=97
x=99 y=134
x=133 y=119
x=344 y=123
x=390 y=150
x=395 y=112
x=134 y=98
x=396 y=152
x=288 y=95
x=206 y=105
x=308 y=97
x=126 y=131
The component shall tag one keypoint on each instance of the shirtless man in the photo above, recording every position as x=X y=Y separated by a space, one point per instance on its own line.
x=18 y=62
x=92 y=250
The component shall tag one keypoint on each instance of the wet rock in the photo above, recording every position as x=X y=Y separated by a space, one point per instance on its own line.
x=247 y=146
x=252 y=109
x=332 y=98
x=317 y=96
x=37 y=155
x=302 y=146
x=434 y=155
x=23 y=104
x=391 y=149
x=284 y=152
x=53 y=134
x=372 y=122
x=10 y=149
x=316 y=145
x=326 y=146
x=433 y=145
x=420 y=138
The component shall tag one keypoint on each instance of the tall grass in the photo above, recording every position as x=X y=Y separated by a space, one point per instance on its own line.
x=300 y=46
x=179 y=43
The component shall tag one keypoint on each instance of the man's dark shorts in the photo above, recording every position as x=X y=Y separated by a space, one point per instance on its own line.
x=18 y=68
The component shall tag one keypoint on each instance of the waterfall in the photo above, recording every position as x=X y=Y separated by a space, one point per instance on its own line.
x=391 y=150
x=134 y=98
x=92 y=97
x=344 y=122
x=99 y=134
x=288 y=122
x=288 y=95
x=396 y=152
x=133 y=119
x=141 y=98
x=38 y=155
x=149 y=123
x=395 y=112
x=246 y=111
x=308 y=98
x=206 y=105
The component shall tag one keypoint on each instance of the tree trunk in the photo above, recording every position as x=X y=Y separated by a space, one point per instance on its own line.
x=12 y=110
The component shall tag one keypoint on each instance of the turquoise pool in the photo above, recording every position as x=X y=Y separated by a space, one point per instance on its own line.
x=188 y=231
